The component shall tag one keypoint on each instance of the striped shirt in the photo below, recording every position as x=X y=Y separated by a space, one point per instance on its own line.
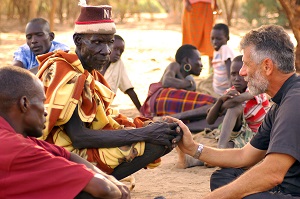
x=255 y=110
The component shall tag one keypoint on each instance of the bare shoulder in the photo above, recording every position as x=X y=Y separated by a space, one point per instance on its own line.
x=174 y=66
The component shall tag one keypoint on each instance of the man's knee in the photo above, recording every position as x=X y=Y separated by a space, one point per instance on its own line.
x=224 y=176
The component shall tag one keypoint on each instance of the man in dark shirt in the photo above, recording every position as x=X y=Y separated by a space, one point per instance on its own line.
x=268 y=66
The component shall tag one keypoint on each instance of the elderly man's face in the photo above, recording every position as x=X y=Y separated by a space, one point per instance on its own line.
x=253 y=74
x=94 y=50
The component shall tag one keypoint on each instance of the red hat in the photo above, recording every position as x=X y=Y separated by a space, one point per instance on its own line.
x=95 y=19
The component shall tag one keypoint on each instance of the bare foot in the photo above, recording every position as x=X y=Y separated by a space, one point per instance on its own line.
x=188 y=162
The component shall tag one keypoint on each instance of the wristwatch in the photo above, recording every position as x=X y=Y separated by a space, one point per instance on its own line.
x=198 y=152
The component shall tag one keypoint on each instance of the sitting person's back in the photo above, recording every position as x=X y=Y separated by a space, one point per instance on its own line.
x=39 y=40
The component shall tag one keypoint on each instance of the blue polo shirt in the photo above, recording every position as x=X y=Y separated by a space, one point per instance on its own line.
x=26 y=56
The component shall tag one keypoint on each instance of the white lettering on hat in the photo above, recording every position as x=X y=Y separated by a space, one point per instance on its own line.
x=106 y=14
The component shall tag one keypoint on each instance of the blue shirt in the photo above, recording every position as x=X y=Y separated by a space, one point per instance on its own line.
x=26 y=56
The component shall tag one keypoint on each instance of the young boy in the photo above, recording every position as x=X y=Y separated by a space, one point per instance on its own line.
x=221 y=59
x=244 y=112
x=115 y=73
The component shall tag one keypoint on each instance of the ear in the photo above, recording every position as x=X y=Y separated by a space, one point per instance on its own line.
x=24 y=104
x=268 y=66
x=185 y=60
x=77 y=39
x=52 y=36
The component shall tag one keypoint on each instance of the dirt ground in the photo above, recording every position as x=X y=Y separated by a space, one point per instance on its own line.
x=150 y=46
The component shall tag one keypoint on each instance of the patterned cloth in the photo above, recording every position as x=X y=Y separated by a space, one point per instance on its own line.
x=255 y=109
x=167 y=101
x=170 y=101
x=67 y=86
x=26 y=56
x=196 y=27
x=220 y=78
x=148 y=108
x=116 y=76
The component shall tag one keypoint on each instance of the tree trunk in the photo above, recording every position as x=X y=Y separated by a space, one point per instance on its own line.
x=229 y=10
x=292 y=10
x=52 y=14
x=33 y=7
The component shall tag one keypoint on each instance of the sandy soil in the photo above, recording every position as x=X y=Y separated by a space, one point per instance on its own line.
x=150 y=46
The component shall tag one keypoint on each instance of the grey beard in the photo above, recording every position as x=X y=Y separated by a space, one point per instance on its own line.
x=258 y=85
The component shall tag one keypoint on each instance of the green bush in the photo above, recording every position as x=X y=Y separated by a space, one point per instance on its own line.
x=259 y=12
x=150 y=6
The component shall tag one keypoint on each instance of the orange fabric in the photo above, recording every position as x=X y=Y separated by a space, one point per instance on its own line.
x=93 y=156
x=196 y=27
x=60 y=71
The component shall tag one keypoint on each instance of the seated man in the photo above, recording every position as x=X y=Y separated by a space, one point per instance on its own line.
x=175 y=92
x=39 y=41
x=244 y=112
x=115 y=73
x=43 y=170
x=78 y=100
x=268 y=166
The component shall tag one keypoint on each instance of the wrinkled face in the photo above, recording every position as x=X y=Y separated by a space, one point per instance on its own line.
x=218 y=38
x=94 y=50
x=35 y=118
x=195 y=61
x=237 y=81
x=38 y=38
x=117 y=50
x=253 y=74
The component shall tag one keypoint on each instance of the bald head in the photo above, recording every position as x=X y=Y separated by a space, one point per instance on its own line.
x=22 y=101
x=15 y=82
x=39 y=22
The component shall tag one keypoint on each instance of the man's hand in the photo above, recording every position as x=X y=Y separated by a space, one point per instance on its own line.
x=188 y=5
x=186 y=144
x=123 y=189
x=162 y=133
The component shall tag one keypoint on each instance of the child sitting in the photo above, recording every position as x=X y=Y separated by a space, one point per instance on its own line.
x=115 y=73
x=244 y=112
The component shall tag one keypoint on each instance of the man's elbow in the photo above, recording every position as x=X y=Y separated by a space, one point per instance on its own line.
x=18 y=63
x=276 y=179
